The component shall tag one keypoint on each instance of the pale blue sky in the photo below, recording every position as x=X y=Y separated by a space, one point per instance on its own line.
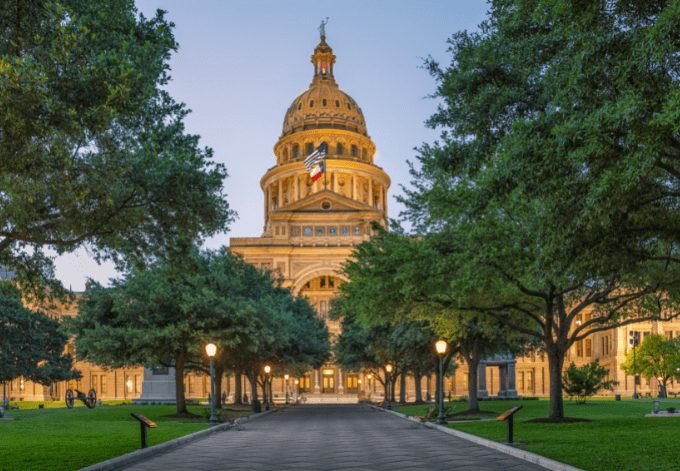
x=241 y=63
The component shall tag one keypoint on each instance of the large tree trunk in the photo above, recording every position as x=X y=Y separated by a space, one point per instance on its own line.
x=238 y=387
x=555 y=363
x=402 y=387
x=252 y=378
x=472 y=364
x=180 y=400
x=417 y=377
x=219 y=374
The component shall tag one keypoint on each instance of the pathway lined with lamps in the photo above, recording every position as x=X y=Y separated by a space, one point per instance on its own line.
x=332 y=437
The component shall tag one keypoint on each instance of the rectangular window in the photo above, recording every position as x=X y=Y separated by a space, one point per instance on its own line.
x=93 y=383
x=307 y=230
x=589 y=347
x=357 y=230
x=295 y=231
x=579 y=348
x=320 y=231
x=332 y=230
x=530 y=381
x=344 y=230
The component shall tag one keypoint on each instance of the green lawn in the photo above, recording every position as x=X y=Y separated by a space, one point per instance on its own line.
x=618 y=437
x=63 y=439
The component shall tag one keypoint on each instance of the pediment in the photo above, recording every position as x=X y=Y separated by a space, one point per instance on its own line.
x=314 y=203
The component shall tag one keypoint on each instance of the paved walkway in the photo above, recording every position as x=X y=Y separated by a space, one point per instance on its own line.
x=332 y=438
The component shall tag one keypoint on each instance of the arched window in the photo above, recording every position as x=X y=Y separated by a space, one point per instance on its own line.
x=300 y=106
x=354 y=150
x=324 y=102
x=337 y=103
x=339 y=149
x=296 y=151
x=309 y=148
x=311 y=103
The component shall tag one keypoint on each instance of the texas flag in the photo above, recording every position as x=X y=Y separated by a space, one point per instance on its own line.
x=315 y=162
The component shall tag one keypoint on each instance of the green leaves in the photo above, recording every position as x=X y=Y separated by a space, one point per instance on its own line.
x=92 y=150
x=586 y=380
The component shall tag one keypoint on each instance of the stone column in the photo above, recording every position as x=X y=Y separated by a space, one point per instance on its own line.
x=296 y=190
x=354 y=189
x=341 y=384
x=511 y=379
x=481 y=380
x=317 y=389
x=503 y=380
x=279 y=201
x=370 y=192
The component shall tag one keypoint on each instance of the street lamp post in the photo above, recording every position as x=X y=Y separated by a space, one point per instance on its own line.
x=441 y=347
x=388 y=396
x=211 y=350
x=267 y=371
x=285 y=387
x=634 y=340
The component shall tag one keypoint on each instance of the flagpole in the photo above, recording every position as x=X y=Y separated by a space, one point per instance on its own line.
x=325 y=171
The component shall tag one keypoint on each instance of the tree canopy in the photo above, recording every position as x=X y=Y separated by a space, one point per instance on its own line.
x=165 y=314
x=553 y=188
x=32 y=344
x=657 y=357
x=93 y=149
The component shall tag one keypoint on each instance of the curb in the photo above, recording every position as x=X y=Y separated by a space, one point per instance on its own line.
x=146 y=453
x=508 y=450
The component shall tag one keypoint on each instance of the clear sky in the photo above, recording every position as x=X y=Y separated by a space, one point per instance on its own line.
x=241 y=63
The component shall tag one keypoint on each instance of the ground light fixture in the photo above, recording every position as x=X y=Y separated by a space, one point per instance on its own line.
x=211 y=350
x=388 y=369
x=267 y=384
x=440 y=347
x=285 y=386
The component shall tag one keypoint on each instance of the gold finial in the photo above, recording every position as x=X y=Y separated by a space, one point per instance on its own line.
x=322 y=28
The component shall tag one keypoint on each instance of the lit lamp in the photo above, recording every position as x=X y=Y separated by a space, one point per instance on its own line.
x=285 y=387
x=211 y=350
x=440 y=347
x=388 y=398
x=267 y=390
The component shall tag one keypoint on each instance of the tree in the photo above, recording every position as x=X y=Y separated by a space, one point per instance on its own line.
x=94 y=152
x=548 y=187
x=657 y=357
x=32 y=345
x=387 y=283
x=585 y=381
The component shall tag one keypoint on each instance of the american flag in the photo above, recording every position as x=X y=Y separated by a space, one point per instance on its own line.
x=316 y=157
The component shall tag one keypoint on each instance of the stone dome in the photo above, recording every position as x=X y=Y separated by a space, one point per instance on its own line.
x=324 y=105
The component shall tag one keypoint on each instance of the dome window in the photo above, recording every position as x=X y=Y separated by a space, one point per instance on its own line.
x=300 y=106
x=309 y=148
x=339 y=149
x=311 y=103
x=337 y=103
x=349 y=107
x=324 y=102
x=354 y=150
x=285 y=154
x=296 y=151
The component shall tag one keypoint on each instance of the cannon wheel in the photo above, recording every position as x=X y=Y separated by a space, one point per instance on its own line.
x=69 y=398
x=91 y=400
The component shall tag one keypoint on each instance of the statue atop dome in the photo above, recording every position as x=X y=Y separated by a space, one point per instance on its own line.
x=322 y=28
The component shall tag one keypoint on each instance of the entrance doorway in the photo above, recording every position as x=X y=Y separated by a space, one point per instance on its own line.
x=328 y=381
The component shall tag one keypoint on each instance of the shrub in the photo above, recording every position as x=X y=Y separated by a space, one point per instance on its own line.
x=585 y=381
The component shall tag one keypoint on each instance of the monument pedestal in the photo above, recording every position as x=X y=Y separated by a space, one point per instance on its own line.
x=158 y=385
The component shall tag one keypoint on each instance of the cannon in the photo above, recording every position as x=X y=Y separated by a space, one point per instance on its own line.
x=89 y=399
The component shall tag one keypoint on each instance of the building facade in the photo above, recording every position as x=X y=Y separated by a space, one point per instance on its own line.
x=312 y=227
